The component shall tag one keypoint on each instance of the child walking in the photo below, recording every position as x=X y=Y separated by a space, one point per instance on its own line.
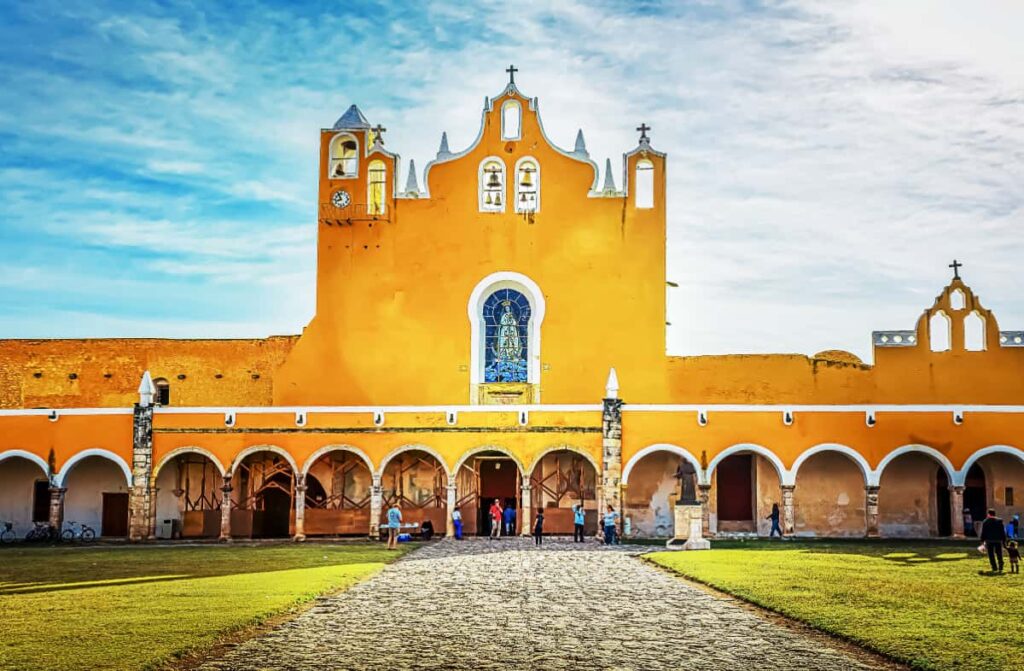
x=1014 y=552
x=538 y=528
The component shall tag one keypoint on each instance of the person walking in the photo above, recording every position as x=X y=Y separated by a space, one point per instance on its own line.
x=577 y=523
x=457 y=523
x=538 y=528
x=495 y=514
x=993 y=535
x=394 y=522
x=509 y=518
x=611 y=519
x=774 y=517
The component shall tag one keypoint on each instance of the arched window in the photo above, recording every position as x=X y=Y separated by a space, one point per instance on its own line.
x=376 y=188
x=527 y=185
x=344 y=157
x=511 y=120
x=974 y=332
x=938 y=332
x=163 y=391
x=492 y=185
x=957 y=301
x=506 y=322
x=644 y=184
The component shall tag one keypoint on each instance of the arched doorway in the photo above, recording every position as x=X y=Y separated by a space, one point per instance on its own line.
x=975 y=494
x=908 y=502
x=338 y=489
x=418 y=482
x=24 y=493
x=651 y=495
x=561 y=480
x=188 y=497
x=744 y=486
x=1001 y=474
x=97 y=496
x=483 y=477
x=262 y=489
x=828 y=499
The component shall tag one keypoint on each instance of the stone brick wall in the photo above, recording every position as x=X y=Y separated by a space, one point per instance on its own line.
x=106 y=372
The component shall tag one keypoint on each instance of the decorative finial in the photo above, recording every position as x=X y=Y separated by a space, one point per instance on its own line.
x=378 y=134
x=611 y=387
x=609 y=179
x=581 y=144
x=643 y=128
x=956 y=266
x=147 y=390
x=442 y=151
x=411 y=187
x=511 y=70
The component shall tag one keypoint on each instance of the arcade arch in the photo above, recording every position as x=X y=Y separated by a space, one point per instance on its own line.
x=24 y=490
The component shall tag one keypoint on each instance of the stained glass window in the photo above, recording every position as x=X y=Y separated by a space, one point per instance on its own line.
x=506 y=318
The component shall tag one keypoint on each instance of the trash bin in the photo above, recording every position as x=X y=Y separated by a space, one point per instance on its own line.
x=165 y=529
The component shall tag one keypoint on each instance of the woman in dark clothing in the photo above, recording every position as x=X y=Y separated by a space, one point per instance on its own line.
x=538 y=528
x=774 y=517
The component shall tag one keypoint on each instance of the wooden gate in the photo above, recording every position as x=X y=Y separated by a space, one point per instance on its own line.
x=415 y=506
x=339 y=512
x=200 y=505
x=561 y=489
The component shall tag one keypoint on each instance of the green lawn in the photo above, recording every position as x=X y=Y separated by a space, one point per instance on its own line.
x=923 y=603
x=137 y=607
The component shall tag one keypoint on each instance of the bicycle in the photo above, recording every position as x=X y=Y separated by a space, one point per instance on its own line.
x=40 y=533
x=85 y=533
x=8 y=535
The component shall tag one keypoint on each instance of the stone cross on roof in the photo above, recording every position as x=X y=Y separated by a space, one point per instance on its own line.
x=643 y=128
x=512 y=70
x=956 y=266
x=378 y=132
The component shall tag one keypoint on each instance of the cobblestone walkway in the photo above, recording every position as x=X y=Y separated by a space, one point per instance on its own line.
x=504 y=604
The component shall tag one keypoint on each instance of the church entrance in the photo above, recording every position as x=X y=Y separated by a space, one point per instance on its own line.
x=735 y=480
x=975 y=500
x=483 y=478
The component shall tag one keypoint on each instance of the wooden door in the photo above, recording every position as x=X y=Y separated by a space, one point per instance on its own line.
x=115 y=515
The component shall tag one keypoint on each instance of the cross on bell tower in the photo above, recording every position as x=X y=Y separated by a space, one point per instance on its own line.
x=512 y=70
x=378 y=133
x=643 y=128
x=956 y=266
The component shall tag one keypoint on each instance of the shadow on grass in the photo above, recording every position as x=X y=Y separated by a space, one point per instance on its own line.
x=907 y=552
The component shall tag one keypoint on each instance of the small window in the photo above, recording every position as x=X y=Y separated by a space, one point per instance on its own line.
x=163 y=391
x=376 y=187
x=344 y=157
x=1008 y=496
x=957 y=300
x=527 y=185
x=644 y=185
x=492 y=185
x=938 y=332
x=511 y=120
x=974 y=332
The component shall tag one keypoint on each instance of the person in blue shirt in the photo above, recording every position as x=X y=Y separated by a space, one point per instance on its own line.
x=611 y=519
x=457 y=521
x=510 y=520
x=394 y=522
x=577 y=526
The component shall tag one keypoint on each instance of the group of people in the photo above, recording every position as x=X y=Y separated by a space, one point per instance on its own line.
x=994 y=537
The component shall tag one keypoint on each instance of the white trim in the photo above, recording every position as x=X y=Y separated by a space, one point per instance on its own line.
x=340 y=447
x=857 y=457
x=46 y=412
x=971 y=460
x=178 y=451
x=515 y=189
x=785 y=477
x=511 y=102
x=951 y=473
x=480 y=185
x=388 y=409
x=564 y=448
x=474 y=309
x=410 y=447
x=466 y=456
x=65 y=469
x=732 y=407
x=22 y=454
x=240 y=457
x=330 y=157
x=664 y=447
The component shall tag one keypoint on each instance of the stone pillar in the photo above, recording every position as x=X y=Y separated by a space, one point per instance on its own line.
x=956 y=511
x=140 y=509
x=225 y=509
x=57 y=508
x=300 y=512
x=788 y=514
x=152 y=509
x=526 y=509
x=611 y=460
x=871 y=511
x=451 y=501
x=376 y=504
x=704 y=494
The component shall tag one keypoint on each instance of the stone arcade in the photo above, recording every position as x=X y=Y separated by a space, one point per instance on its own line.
x=469 y=342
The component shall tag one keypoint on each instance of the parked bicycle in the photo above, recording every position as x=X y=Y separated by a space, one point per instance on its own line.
x=85 y=533
x=42 y=532
x=8 y=535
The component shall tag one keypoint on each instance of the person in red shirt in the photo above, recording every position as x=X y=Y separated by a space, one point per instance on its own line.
x=495 y=519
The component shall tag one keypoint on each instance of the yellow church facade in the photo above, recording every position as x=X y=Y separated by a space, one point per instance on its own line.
x=499 y=332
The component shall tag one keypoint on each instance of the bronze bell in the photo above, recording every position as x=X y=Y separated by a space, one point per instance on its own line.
x=527 y=179
x=493 y=182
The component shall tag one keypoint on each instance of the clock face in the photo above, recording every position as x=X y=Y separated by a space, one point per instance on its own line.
x=341 y=198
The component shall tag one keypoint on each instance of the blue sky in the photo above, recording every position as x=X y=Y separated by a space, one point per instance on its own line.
x=827 y=160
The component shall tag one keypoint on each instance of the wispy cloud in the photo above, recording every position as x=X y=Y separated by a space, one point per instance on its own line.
x=827 y=160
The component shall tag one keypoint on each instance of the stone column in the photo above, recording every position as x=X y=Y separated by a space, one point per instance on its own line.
x=140 y=495
x=956 y=511
x=376 y=504
x=611 y=460
x=788 y=514
x=225 y=509
x=871 y=511
x=526 y=508
x=451 y=501
x=152 y=509
x=300 y=512
x=705 y=508
x=57 y=508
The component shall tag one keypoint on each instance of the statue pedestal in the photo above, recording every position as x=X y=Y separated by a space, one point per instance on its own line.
x=689 y=528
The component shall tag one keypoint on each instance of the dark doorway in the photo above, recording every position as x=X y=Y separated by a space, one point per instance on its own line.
x=115 y=515
x=272 y=518
x=499 y=479
x=943 y=515
x=975 y=499
x=736 y=488
x=41 y=501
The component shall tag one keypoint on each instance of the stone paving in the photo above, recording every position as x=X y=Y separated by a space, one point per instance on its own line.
x=506 y=604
